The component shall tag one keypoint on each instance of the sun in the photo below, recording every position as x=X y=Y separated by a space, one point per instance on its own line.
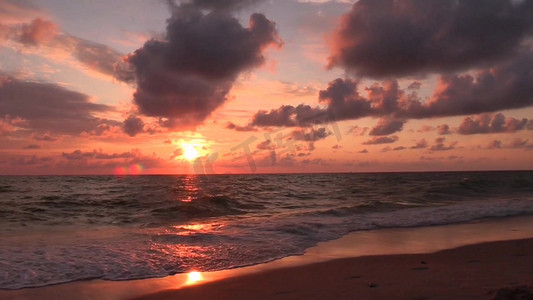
x=190 y=152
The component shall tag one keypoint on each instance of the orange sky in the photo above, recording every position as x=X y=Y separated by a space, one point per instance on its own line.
x=138 y=87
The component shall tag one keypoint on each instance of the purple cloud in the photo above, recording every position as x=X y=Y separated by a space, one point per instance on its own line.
x=186 y=75
x=382 y=38
x=381 y=140
x=491 y=124
x=387 y=126
x=422 y=144
x=133 y=125
x=439 y=145
x=49 y=108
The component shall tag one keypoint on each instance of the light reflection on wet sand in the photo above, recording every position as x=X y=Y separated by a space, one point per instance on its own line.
x=374 y=242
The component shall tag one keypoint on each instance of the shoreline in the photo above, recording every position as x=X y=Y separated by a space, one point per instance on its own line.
x=362 y=248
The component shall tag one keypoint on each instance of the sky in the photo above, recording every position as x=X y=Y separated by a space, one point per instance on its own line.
x=131 y=87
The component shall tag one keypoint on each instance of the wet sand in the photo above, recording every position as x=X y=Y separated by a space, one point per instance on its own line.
x=462 y=261
x=470 y=272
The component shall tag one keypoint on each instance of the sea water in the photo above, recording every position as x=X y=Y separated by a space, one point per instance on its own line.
x=56 y=229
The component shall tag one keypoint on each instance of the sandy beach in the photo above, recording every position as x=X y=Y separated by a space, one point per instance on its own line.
x=461 y=261
x=470 y=272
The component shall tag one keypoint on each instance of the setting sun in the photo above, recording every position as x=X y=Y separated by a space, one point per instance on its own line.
x=190 y=152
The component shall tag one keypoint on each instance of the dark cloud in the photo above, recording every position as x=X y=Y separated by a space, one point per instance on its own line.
x=97 y=154
x=288 y=115
x=491 y=124
x=387 y=126
x=49 y=108
x=265 y=145
x=503 y=86
x=336 y=147
x=363 y=151
x=443 y=129
x=94 y=55
x=439 y=145
x=32 y=146
x=310 y=135
x=422 y=144
x=133 y=125
x=222 y=4
x=343 y=102
x=231 y=125
x=381 y=140
x=185 y=76
x=381 y=38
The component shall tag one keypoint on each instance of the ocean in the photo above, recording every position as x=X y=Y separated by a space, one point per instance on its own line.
x=56 y=229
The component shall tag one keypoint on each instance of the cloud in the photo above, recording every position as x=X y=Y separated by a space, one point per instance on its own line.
x=177 y=153
x=32 y=146
x=231 y=125
x=519 y=143
x=96 y=154
x=358 y=131
x=44 y=137
x=265 y=145
x=399 y=148
x=491 y=124
x=37 y=32
x=289 y=116
x=516 y=143
x=443 y=129
x=495 y=144
x=298 y=90
x=439 y=145
x=42 y=32
x=221 y=4
x=310 y=135
x=133 y=125
x=503 y=86
x=387 y=126
x=422 y=144
x=183 y=77
x=383 y=38
x=48 y=108
x=381 y=140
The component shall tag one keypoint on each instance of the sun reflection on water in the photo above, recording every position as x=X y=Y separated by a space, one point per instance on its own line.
x=188 y=189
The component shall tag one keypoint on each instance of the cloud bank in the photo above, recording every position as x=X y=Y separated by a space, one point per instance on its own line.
x=49 y=108
x=384 y=38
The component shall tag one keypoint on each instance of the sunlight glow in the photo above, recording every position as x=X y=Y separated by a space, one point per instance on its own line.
x=191 y=148
x=194 y=277
x=190 y=152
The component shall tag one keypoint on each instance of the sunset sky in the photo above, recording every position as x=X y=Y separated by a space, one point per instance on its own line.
x=251 y=86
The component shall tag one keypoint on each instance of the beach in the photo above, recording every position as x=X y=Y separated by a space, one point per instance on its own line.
x=471 y=272
x=459 y=261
